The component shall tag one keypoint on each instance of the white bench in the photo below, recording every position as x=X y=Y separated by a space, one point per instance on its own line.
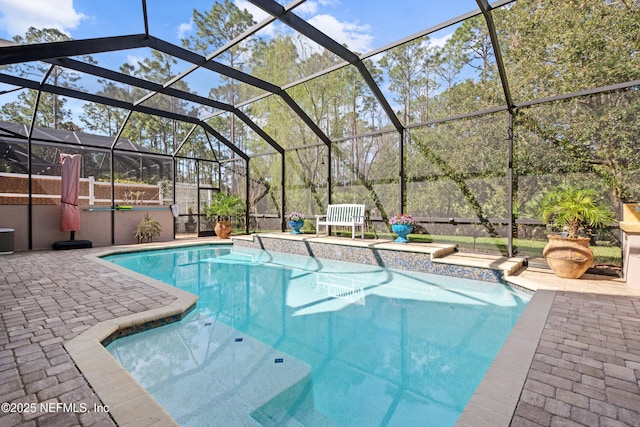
x=343 y=215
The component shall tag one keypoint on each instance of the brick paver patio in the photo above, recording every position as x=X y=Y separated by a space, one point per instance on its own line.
x=586 y=369
x=47 y=298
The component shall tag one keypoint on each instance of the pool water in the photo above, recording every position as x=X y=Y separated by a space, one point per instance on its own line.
x=385 y=347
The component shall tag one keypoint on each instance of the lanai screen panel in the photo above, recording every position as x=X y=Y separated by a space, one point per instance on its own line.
x=257 y=114
x=277 y=119
x=46 y=171
x=223 y=123
x=552 y=48
x=125 y=62
x=340 y=103
x=279 y=55
x=47 y=144
x=94 y=189
x=108 y=19
x=147 y=169
x=186 y=178
x=233 y=181
x=13 y=110
x=380 y=23
x=14 y=184
x=53 y=111
x=306 y=180
x=218 y=87
x=589 y=142
x=594 y=134
x=198 y=145
x=6 y=88
x=202 y=29
x=14 y=156
x=233 y=175
x=68 y=77
x=155 y=133
x=365 y=172
x=459 y=170
x=444 y=74
x=32 y=70
x=230 y=131
x=45 y=160
x=174 y=104
x=250 y=142
x=265 y=192
x=100 y=119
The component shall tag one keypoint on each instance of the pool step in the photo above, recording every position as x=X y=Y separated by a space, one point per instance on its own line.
x=442 y=253
x=237 y=376
x=508 y=266
x=309 y=418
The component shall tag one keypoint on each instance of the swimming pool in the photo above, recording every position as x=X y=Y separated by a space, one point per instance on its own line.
x=382 y=347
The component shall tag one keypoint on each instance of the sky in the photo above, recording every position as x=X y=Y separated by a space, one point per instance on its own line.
x=363 y=25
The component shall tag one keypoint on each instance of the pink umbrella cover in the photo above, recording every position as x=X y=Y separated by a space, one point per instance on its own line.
x=69 y=212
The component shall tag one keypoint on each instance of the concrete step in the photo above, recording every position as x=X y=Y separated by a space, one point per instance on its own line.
x=506 y=265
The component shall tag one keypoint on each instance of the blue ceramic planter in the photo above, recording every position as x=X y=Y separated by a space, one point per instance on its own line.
x=296 y=225
x=402 y=230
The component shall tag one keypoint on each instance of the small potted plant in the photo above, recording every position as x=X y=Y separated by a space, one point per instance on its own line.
x=147 y=229
x=296 y=221
x=190 y=225
x=402 y=224
x=223 y=207
x=572 y=210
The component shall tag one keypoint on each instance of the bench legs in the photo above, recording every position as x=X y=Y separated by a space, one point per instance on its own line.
x=353 y=230
x=318 y=228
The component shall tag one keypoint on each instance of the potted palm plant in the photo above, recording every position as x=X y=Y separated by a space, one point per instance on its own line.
x=147 y=229
x=223 y=207
x=572 y=210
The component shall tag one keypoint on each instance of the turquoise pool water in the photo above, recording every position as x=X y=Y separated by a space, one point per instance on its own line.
x=385 y=347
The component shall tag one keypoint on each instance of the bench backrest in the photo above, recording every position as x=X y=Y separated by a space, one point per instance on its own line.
x=345 y=213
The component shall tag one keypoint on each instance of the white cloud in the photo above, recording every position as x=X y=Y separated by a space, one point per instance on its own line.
x=19 y=15
x=134 y=60
x=258 y=14
x=439 y=41
x=184 y=29
x=356 y=37
x=307 y=8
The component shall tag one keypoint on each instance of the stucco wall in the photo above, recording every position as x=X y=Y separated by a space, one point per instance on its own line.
x=94 y=226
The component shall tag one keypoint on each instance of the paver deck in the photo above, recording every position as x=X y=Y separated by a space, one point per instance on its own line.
x=46 y=299
x=586 y=369
x=584 y=366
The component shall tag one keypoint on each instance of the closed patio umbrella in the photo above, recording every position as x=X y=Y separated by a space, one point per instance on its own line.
x=69 y=197
x=69 y=212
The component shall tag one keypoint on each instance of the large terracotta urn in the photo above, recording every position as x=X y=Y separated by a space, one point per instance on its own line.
x=223 y=229
x=568 y=257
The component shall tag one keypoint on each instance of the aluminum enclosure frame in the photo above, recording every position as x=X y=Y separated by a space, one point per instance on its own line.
x=58 y=54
